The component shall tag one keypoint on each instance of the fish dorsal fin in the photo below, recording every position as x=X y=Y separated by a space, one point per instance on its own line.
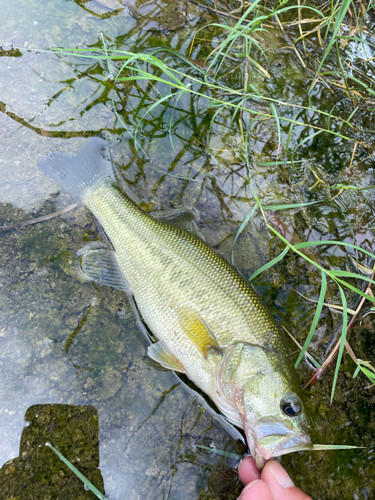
x=198 y=332
x=99 y=264
x=159 y=353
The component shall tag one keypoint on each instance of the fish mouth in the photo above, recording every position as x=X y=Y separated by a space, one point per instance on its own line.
x=276 y=445
x=273 y=439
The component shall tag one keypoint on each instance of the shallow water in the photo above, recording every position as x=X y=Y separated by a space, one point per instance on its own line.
x=74 y=369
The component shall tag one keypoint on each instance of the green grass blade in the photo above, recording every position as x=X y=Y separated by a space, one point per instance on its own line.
x=291 y=205
x=232 y=33
x=294 y=248
x=317 y=314
x=179 y=95
x=357 y=370
x=154 y=105
x=330 y=113
x=308 y=355
x=276 y=116
x=353 y=288
x=343 y=186
x=342 y=342
x=308 y=244
x=273 y=163
x=212 y=122
x=284 y=9
x=270 y=264
x=177 y=54
x=326 y=447
x=180 y=177
x=338 y=21
x=349 y=274
x=89 y=485
x=274 y=113
x=101 y=36
x=242 y=227
x=369 y=374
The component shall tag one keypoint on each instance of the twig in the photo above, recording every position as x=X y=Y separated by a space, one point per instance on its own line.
x=40 y=219
x=240 y=9
x=331 y=306
x=352 y=158
x=289 y=41
x=218 y=18
x=246 y=79
x=300 y=27
x=314 y=362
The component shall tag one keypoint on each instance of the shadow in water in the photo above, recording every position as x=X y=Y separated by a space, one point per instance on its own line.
x=37 y=472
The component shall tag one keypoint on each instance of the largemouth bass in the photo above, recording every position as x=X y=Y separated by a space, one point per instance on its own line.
x=209 y=321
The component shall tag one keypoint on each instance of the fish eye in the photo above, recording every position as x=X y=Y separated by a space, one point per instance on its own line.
x=291 y=406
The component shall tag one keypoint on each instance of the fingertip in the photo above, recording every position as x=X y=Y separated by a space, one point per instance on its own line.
x=280 y=483
x=279 y=474
x=248 y=471
x=256 y=490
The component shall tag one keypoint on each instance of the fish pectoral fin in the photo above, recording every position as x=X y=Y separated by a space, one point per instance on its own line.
x=159 y=353
x=99 y=264
x=198 y=332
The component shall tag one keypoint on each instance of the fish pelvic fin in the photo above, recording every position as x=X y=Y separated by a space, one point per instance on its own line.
x=78 y=174
x=161 y=355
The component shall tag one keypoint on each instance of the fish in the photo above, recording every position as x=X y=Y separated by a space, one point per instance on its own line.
x=208 y=321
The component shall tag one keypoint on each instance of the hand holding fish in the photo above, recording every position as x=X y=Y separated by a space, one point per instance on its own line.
x=273 y=483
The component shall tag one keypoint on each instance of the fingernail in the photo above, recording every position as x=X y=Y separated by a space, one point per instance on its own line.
x=280 y=475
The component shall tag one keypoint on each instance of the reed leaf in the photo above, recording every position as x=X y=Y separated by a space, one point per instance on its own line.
x=318 y=311
x=344 y=332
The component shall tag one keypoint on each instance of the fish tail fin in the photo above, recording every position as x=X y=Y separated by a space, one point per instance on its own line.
x=79 y=174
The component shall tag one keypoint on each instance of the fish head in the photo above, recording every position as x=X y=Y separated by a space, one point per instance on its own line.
x=264 y=391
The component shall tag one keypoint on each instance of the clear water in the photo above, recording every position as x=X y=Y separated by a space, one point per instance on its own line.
x=74 y=369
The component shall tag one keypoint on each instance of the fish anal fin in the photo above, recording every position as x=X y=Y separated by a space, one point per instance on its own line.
x=99 y=264
x=198 y=332
x=159 y=353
